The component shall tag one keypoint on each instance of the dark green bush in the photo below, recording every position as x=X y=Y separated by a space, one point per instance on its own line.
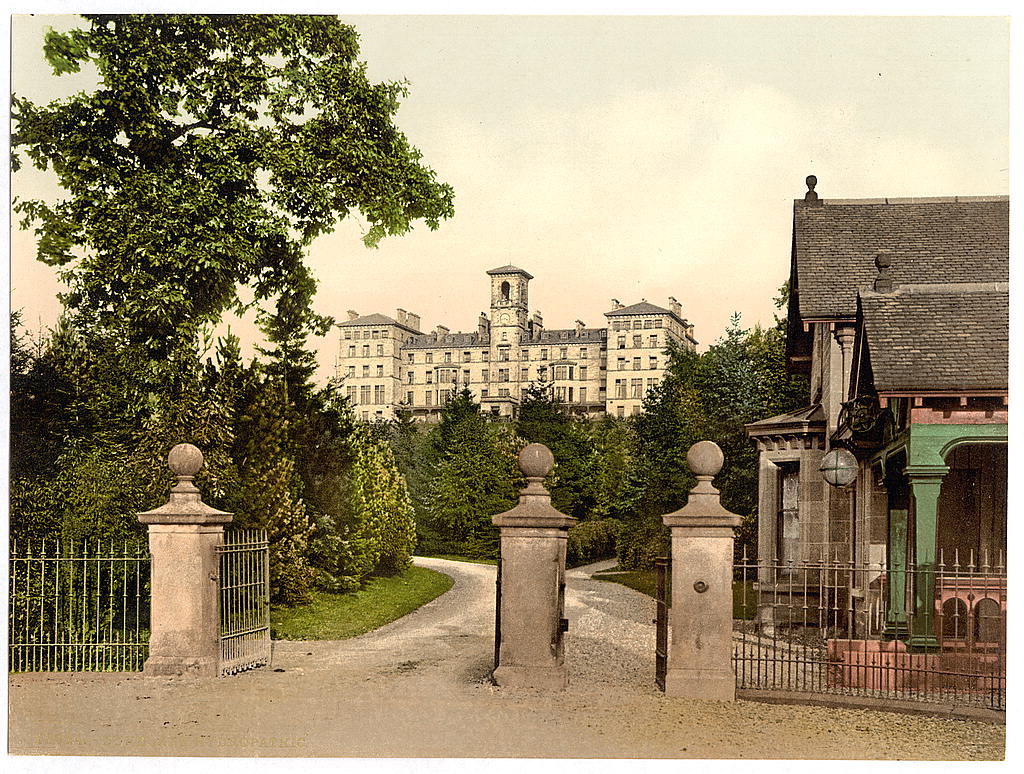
x=591 y=540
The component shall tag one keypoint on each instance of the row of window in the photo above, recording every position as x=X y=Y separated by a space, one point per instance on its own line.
x=367 y=334
x=361 y=396
x=365 y=350
x=638 y=341
x=504 y=354
x=447 y=376
x=625 y=325
x=378 y=370
x=624 y=363
x=564 y=394
x=635 y=387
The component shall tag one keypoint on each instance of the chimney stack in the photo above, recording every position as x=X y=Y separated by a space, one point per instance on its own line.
x=536 y=326
x=414 y=321
x=579 y=327
x=352 y=314
x=616 y=304
x=402 y=316
x=675 y=307
x=483 y=326
x=441 y=332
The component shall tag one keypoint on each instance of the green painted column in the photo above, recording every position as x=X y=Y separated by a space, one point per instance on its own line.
x=925 y=483
x=896 y=608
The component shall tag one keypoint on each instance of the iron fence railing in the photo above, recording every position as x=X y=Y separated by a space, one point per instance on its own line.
x=928 y=633
x=78 y=606
x=244 y=600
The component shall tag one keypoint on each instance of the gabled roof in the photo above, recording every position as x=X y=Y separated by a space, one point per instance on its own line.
x=510 y=269
x=938 y=338
x=642 y=308
x=940 y=240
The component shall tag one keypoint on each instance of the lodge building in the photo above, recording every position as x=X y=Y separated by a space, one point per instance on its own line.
x=387 y=363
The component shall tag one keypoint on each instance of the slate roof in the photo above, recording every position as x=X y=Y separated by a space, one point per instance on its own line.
x=433 y=341
x=954 y=239
x=555 y=335
x=642 y=308
x=942 y=338
x=371 y=319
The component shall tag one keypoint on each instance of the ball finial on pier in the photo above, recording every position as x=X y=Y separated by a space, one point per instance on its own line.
x=705 y=458
x=185 y=460
x=536 y=460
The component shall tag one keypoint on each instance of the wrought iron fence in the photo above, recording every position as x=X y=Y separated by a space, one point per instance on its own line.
x=921 y=633
x=244 y=600
x=78 y=607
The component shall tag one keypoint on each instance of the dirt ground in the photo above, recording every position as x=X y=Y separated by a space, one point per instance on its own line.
x=418 y=688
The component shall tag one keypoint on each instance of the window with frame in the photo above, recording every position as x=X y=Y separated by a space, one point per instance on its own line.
x=430 y=377
x=465 y=376
x=524 y=374
x=787 y=522
x=380 y=370
x=583 y=394
x=583 y=373
x=638 y=340
x=378 y=393
x=636 y=364
x=560 y=394
x=583 y=353
x=637 y=324
x=622 y=363
x=561 y=372
x=364 y=394
x=467 y=357
x=620 y=411
x=411 y=357
x=657 y=323
x=380 y=349
x=652 y=340
x=622 y=342
x=366 y=350
x=620 y=388
x=408 y=397
x=366 y=370
x=348 y=334
x=350 y=393
x=410 y=377
x=352 y=351
x=503 y=392
x=652 y=363
x=637 y=386
x=375 y=334
x=428 y=398
x=352 y=371
x=502 y=374
x=543 y=354
x=447 y=357
x=648 y=323
x=366 y=334
x=429 y=357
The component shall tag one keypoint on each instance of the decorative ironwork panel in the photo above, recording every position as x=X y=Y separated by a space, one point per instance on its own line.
x=933 y=633
x=244 y=600
x=78 y=607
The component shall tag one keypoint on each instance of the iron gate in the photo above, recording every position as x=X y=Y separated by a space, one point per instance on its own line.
x=662 y=574
x=497 y=615
x=244 y=600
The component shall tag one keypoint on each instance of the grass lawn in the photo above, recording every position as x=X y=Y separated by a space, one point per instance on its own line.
x=339 y=616
x=457 y=558
x=643 y=581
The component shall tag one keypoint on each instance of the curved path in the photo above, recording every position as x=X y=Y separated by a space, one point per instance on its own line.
x=419 y=687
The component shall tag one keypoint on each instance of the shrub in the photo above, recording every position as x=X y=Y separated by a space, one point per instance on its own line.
x=591 y=540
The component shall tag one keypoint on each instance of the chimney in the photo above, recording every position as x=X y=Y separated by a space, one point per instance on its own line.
x=413 y=320
x=811 y=197
x=352 y=314
x=883 y=282
x=675 y=307
x=616 y=304
x=536 y=326
x=579 y=327
x=441 y=332
x=483 y=325
x=402 y=316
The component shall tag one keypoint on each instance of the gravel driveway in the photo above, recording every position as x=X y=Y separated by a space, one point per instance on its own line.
x=419 y=687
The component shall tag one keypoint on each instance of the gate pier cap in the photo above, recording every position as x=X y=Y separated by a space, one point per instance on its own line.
x=184 y=534
x=534 y=508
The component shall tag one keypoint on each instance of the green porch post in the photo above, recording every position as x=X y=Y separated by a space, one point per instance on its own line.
x=896 y=609
x=925 y=483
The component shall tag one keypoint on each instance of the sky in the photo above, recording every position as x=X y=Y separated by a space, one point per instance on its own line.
x=628 y=157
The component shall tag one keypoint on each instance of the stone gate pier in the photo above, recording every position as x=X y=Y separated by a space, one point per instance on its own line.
x=700 y=648
x=533 y=544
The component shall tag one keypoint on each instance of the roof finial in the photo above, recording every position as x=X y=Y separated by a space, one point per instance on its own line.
x=883 y=282
x=811 y=196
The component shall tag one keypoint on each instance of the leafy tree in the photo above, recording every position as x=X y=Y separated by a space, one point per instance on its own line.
x=214 y=149
x=474 y=477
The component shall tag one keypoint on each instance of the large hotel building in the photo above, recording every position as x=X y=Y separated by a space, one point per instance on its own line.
x=386 y=363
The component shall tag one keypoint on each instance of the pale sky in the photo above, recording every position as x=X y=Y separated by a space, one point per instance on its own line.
x=630 y=157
